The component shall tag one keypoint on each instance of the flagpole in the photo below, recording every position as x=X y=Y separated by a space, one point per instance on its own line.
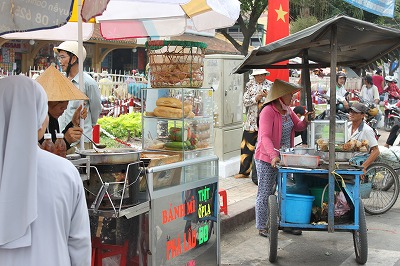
x=80 y=67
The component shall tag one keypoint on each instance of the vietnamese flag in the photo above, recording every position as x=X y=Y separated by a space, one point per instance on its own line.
x=277 y=28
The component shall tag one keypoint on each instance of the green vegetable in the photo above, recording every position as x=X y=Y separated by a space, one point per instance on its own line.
x=176 y=145
x=119 y=126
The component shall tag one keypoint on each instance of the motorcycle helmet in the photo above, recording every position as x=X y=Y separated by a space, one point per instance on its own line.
x=71 y=47
x=340 y=107
x=341 y=74
x=373 y=111
x=390 y=79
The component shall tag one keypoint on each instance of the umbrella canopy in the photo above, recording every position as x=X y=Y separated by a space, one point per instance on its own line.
x=132 y=19
x=22 y=15
x=120 y=19
x=359 y=44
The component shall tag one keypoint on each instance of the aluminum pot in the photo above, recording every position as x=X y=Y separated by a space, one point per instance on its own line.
x=304 y=150
x=340 y=156
x=111 y=156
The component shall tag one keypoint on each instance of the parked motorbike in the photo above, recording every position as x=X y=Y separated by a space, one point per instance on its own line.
x=341 y=115
x=340 y=110
x=371 y=114
x=392 y=115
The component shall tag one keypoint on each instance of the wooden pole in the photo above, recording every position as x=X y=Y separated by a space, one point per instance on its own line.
x=332 y=129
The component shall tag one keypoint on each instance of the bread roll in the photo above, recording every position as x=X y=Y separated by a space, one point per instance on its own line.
x=187 y=109
x=168 y=112
x=191 y=115
x=149 y=114
x=169 y=102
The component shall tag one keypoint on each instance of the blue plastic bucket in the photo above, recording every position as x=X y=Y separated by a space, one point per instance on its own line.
x=298 y=208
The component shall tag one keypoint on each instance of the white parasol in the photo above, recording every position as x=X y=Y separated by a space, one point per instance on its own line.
x=122 y=19
x=117 y=18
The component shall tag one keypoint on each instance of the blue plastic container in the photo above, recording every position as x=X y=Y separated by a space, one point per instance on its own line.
x=298 y=208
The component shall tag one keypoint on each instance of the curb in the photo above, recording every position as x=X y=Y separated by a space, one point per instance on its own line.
x=240 y=213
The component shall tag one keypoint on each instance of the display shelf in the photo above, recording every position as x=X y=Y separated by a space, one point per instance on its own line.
x=181 y=120
x=320 y=132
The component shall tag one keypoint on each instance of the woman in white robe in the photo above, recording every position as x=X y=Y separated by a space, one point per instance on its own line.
x=43 y=214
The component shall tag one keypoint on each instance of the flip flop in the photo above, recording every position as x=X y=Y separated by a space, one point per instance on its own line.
x=263 y=232
x=241 y=176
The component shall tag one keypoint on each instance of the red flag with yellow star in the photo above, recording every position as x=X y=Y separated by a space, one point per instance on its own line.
x=277 y=28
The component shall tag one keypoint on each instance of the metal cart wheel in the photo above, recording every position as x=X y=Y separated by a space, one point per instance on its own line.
x=379 y=199
x=360 y=238
x=273 y=227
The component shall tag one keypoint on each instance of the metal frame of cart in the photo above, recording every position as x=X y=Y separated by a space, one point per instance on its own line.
x=277 y=204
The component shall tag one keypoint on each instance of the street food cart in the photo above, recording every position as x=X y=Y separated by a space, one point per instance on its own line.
x=160 y=205
x=338 y=41
x=159 y=213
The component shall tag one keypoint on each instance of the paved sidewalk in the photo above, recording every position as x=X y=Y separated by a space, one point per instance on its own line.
x=241 y=202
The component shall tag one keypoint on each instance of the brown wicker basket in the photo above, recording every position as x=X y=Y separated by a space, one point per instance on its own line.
x=176 y=63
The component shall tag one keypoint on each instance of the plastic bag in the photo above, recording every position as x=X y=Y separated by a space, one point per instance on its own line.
x=341 y=205
x=111 y=261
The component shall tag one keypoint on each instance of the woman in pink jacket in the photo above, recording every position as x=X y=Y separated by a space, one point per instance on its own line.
x=276 y=130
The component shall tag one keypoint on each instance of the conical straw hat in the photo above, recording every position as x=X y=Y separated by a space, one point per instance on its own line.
x=58 y=87
x=281 y=88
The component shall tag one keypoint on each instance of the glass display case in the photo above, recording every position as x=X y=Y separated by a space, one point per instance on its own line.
x=178 y=120
x=320 y=132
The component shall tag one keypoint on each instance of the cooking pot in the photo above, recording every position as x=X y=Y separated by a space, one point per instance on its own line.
x=304 y=150
x=340 y=156
x=116 y=167
x=111 y=156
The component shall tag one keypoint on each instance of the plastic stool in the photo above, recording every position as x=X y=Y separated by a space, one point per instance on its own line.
x=100 y=251
x=224 y=207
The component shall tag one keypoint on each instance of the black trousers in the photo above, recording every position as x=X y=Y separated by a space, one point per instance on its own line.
x=393 y=135
x=303 y=136
x=247 y=149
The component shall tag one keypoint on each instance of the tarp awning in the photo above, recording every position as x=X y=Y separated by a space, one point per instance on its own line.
x=360 y=44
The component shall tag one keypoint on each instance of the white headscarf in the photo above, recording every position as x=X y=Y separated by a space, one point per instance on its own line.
x=23 y=109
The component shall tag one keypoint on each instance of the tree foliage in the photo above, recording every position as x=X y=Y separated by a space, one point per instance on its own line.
x=251 y=11
x=303 y=13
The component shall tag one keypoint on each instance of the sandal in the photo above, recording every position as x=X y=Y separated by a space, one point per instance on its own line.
x=263 y=232
x=241 y=176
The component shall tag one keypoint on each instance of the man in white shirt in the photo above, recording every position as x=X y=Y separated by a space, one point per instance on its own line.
x=67 y=54
x=359 y=130
x=340 y=89
x=370 y=94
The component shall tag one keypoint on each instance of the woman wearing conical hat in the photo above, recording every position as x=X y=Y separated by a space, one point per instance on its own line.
x=60 y=91
x=276 y=129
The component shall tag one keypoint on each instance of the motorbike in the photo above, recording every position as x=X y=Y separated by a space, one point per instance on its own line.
x=341 y=115
x=340 y=110
x=392 y=115
x=371 y=114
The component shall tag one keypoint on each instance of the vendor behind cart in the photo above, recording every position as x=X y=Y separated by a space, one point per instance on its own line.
x=359 y=130
x=276 y=129
x=59 y=91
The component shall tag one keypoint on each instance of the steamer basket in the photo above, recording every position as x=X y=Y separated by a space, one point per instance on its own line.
x=176 y=63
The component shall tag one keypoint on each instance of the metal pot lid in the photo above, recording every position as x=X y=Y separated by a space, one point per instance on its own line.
x=104 y=152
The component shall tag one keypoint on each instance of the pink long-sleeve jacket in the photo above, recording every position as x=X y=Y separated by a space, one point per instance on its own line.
x=270 y=132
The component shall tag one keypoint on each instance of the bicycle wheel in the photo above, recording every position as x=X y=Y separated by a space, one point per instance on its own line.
x=360 y=239
x=379 y=200
x=273 y=227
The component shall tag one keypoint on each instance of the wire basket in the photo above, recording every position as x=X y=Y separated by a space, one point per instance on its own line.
x=176 y=63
